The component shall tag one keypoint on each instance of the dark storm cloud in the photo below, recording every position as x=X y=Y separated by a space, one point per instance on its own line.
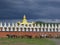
x=35 y=9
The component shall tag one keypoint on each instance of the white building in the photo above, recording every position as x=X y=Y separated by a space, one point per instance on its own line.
x=25 y=26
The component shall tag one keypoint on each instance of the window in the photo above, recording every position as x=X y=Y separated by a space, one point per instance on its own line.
x=26 y=25
x=22 y=24
x=33 y=25
x=29 y=25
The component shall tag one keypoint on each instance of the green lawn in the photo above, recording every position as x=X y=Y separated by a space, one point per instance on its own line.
x=25 y=41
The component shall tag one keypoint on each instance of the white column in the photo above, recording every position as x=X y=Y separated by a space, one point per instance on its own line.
x=3 y=29
x=45 y=25
x=41 y=30
x=34 y=30
x=44 y=29
x=11 y=29
x=31 y=25
x=42 y=26
x=15 y=29
x=37 y=29
x=16 y=24
x=52 y=26
x=49 y=26
x=55 y=30
x=52 y=30
x=24 y=25
x=59 y=26
x=38 y=25
x=27 y=29
x=48 y=29
x=35 y=25
x=30 y=29
x=59 y=30
x=7 y=29
x=55 y=25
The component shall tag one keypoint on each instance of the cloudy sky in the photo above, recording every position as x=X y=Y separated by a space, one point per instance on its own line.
x=33 y=9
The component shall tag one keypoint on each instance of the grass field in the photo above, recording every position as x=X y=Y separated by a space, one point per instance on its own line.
x=25 y=41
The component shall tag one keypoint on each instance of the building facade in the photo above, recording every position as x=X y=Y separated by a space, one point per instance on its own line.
x=29 y=29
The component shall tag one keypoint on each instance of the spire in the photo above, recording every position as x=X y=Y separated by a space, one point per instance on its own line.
x=24 y=17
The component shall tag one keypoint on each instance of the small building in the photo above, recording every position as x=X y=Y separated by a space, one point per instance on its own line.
x=29 y=29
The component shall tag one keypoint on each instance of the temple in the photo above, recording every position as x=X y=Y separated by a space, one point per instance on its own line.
x=29 y=29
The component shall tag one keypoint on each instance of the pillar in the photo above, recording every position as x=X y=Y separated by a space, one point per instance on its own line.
x=37 y=29
x=30 y=29
x=8 y=24
x=1 y=24
x=15 y=29
x=11 y=29
x=42 y=26
x=13 y=25
x=45 y=25
x=3 y=29
x=49 y=26
x=5 y=24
